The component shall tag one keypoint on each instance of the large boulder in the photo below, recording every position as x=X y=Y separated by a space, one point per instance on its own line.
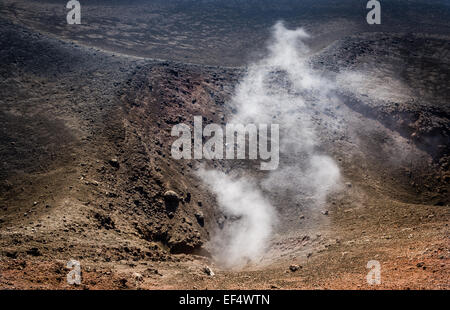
x=171 y=199
x=171 y=196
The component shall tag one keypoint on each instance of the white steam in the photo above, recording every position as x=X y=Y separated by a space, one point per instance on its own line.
x=244 y=238
x=281 y=89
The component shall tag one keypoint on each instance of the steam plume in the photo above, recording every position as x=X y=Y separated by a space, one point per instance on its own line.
x=280 y=88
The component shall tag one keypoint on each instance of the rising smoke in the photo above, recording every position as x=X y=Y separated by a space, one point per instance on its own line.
x=280 y=88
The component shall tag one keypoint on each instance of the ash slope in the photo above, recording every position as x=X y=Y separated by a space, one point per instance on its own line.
x=223 y=33
x=85 y=148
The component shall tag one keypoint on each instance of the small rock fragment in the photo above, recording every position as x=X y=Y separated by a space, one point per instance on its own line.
x=273 y=286
x=114 y=162
x=208 y=271
x=123 y=282
x=200 y=218
x=294 y=268
x=138 y=277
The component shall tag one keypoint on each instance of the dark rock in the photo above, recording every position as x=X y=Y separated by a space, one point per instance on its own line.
x=200 y=218
x=188 y=198
x=171 y=199
x=185 y=244
x=34 y=252
x=114 y=162
x=171 y=195
x=294 y=268
x=12 y=254
x=105 y=221
x=123 y=282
